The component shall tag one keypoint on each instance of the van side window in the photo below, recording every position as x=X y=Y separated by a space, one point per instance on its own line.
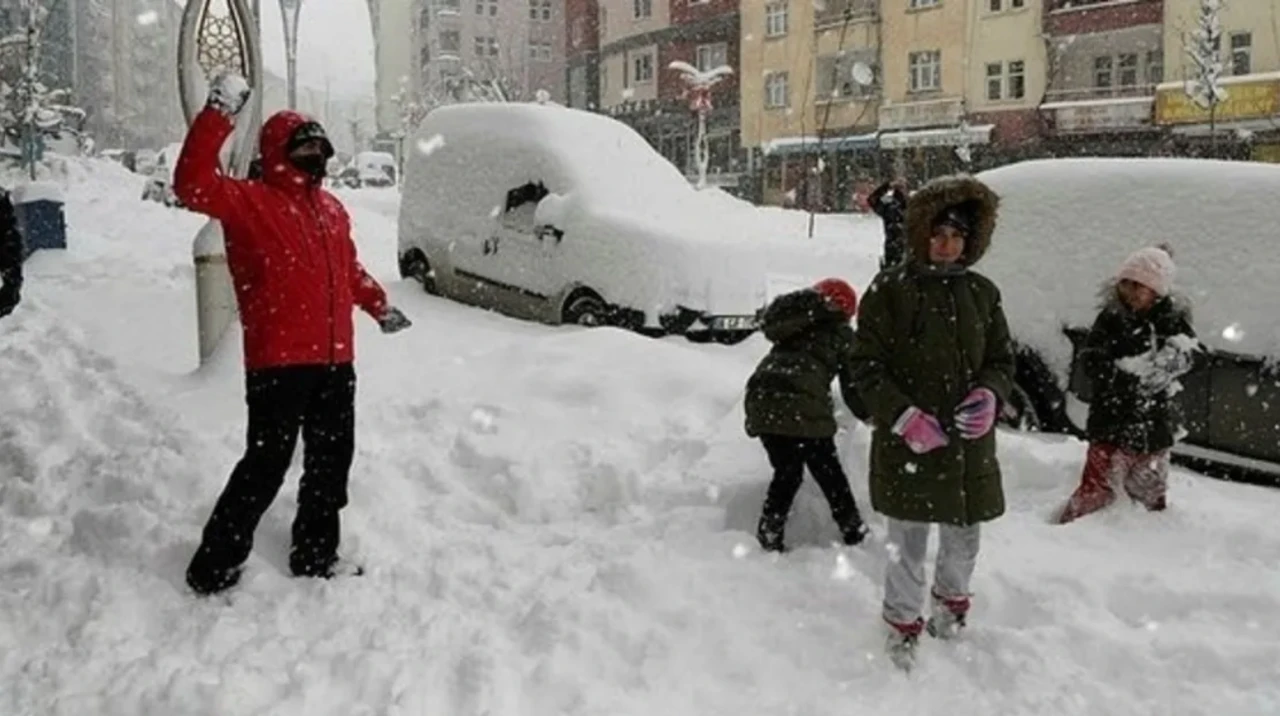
x=522 y=202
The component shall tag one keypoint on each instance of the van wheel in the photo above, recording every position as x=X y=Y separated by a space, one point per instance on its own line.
x=414 y=265
x=586 y=308
x=1020 y=412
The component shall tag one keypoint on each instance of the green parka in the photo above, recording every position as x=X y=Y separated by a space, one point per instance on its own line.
x=926 y=337
x=790 y=392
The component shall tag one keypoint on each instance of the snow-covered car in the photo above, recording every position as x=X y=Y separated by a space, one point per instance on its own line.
x=159 y=186
x=1064 y=228
x=559 y=215
x=376 y=169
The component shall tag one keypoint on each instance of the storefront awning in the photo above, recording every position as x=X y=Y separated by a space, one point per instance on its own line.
x=942 y=137
x=810 y=145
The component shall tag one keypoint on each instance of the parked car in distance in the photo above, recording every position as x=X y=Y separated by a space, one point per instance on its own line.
x=1064 y=228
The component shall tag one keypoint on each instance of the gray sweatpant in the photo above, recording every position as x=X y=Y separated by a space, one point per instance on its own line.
x=904 y=594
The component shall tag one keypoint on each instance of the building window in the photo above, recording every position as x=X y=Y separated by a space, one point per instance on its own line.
x=925 y=70
x=486 y=47
x=776 y=93
x=998 y=5
x=1155 y=67
x=424 y=22
x=1017 y=79
x=710 y=57
x=642 y=66
x=922 y=4
x=1241 y=53
x=643 y=8
x=1102 y=72
x=489 y=6
x=450 y=42
x=775 y=19
x=424 y=56
x=454 y=5
x=540 y=10
x=995 y=80
x=1128 y=70
x=540 y=50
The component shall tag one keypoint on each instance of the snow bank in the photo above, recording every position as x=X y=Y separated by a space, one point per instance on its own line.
x=554 y=521
x=1066 y=225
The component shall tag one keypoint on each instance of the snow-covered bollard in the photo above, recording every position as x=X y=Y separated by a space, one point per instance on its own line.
x=41 y=221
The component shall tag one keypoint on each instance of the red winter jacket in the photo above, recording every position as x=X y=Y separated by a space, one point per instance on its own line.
x=289 y=247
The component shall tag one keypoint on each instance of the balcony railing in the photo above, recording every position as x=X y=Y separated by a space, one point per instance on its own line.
x=834 y=10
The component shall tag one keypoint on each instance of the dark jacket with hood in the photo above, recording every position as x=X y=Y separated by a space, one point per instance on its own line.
x=790 y=392
x=926 y=337
x=890 y=204
x=1122 y=349
x=289 y=247
x=11 y=250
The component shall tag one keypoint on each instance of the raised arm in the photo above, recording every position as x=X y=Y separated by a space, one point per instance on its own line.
x=199 y=180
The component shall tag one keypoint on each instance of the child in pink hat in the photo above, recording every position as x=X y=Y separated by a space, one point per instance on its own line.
x=1140 y=344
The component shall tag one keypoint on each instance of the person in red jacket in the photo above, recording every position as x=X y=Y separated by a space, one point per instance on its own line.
x=297 y=281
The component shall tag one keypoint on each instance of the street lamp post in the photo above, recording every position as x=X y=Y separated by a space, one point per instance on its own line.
x=289 y=10
x=216 y=37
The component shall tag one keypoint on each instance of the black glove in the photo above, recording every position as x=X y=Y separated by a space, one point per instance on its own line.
x=228 y=94
x=394 y=320
x=10 y=295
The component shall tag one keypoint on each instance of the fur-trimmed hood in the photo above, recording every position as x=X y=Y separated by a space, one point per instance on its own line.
x=962 y=190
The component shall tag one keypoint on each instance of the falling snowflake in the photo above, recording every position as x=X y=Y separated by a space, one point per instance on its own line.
x=740 y=550
x=1251 y=389
x=713 y=493
x=149 y=17
x=911 y=468
x=1233 y=333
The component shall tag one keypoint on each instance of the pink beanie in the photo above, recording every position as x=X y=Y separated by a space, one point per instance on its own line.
x=1152 y=267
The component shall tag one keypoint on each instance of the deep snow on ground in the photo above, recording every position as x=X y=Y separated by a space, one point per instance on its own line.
x=554 y=521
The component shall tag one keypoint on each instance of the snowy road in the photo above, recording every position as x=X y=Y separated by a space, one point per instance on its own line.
x=554 y=521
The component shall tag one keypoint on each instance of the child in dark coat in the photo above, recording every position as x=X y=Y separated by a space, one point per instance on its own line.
x=789 y=408
x=1140 y=344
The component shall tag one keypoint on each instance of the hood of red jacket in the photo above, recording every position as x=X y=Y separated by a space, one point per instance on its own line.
x=273 y=142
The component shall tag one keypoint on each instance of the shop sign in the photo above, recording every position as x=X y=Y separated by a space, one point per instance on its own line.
x=1102 y=117
x=1245 y=100
x=931 y=113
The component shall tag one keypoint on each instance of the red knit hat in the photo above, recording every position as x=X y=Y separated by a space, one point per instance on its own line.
x=839 y=294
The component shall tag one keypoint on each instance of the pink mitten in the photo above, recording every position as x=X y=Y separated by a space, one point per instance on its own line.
x=920 y=431
x=976 y=415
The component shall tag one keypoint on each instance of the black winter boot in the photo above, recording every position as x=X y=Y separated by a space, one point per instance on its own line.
x=770 y=532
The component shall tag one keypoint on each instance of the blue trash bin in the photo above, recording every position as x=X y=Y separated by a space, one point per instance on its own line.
x=40 y=216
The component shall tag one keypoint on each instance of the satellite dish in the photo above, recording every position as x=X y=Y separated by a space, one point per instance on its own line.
x=863 y=74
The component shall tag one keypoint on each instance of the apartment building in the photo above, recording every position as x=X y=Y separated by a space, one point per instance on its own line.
x=1105 y=59
x=1006 y=77
x=808 y=118
x=639 y=39
x=1244 y=125
x=582 y=53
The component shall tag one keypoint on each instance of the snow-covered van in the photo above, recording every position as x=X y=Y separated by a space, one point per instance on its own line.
x=559 y=215
x=1066 y=225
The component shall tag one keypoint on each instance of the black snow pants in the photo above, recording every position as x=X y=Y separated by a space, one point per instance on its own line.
x=319 y=400
x=789 y=456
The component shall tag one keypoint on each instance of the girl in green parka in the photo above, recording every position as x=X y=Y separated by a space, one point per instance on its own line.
x=933 y=361
x=788 y=404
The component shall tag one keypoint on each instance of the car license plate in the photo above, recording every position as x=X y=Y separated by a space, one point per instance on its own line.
x=734 y=323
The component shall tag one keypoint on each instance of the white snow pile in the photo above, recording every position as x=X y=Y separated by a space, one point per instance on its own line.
x=553 y=521
x=1066 y=225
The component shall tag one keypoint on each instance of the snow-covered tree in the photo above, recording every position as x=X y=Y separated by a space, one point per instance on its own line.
x=30 y=111
x=1203 y=47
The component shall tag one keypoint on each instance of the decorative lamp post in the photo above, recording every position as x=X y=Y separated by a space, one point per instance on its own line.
x=219 y=36
x=289 y=10
x=699 y=93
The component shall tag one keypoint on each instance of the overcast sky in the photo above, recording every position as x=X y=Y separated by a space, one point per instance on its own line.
x=335 y=42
